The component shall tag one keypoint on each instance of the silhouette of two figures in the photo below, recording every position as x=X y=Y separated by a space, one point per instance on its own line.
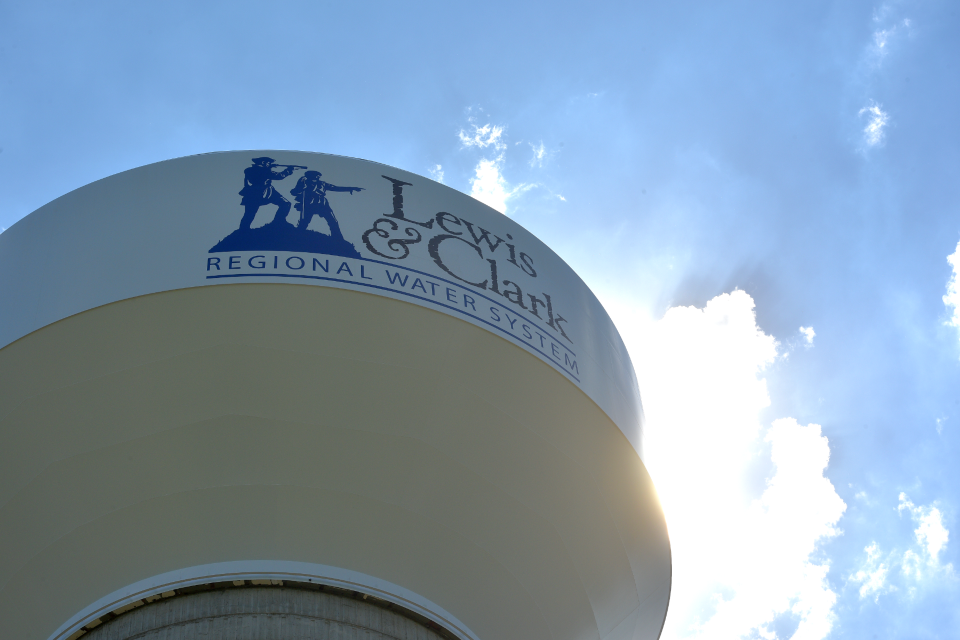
x=278 y=235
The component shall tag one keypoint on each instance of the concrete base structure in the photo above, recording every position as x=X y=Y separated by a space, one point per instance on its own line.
x=229 y=611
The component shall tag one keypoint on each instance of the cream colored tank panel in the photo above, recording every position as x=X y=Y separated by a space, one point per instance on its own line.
x=265 y=422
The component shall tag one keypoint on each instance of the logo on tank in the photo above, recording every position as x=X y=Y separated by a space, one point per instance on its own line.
x=310 y=195
x=479 y=267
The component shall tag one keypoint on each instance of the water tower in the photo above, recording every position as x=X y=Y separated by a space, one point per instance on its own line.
x=272 y=394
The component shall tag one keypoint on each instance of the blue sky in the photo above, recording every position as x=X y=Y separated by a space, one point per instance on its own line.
x=764 y=196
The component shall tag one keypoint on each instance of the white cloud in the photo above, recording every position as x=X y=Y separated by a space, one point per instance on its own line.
x=808 y=335
x=911 y=565
x=887 y=31
x=482 y=137
x=488 y=184
x=881 y=37
x=882 y=12
x=872 y=576
x=877 y=119
x=740 y=560
x=799 y=509
x=539 y=153
x=436 y=172
x=918 y=564
x=952 y=298
x=884 y=37
x=931 y=535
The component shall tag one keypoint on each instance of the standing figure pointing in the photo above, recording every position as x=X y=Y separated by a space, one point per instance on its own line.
x=311 y=196
x=258 y=190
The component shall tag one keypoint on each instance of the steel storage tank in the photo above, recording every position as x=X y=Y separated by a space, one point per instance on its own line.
x=269 y=383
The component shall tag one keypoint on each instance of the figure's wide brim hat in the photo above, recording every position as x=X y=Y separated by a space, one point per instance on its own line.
x=264 y=159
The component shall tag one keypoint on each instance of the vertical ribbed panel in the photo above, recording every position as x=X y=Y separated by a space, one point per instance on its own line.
x=266 y=613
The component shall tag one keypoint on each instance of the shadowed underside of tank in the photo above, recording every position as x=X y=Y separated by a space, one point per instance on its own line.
x=243 y=611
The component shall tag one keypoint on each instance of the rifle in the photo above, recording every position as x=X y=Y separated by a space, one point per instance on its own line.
x=291 y=166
